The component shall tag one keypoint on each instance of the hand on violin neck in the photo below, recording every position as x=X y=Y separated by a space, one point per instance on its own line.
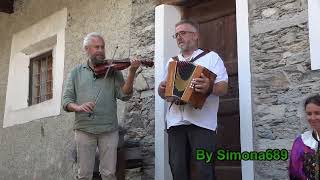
x=135 y=64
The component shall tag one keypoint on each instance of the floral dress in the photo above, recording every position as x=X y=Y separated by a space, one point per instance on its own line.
x=304 y=158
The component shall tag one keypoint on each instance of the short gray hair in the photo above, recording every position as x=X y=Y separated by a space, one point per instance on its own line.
x=87 y=39
x=190 y=22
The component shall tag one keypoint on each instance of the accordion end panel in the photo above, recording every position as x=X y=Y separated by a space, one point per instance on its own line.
x=178 y=83
x=170 y=79
x=196 y=99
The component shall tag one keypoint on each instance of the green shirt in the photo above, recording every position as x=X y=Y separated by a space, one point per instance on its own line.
x=82 y=86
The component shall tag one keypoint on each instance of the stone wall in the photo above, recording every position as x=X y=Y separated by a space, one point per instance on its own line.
x=41 y=149
x=139 y=112
x=281 y=77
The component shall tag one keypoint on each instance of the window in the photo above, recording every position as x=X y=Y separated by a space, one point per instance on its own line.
x=40 y=82
x=37 y=63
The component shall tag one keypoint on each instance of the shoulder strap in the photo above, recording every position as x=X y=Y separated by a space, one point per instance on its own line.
x=200 y=55
x=175 y=58
x=206 y=51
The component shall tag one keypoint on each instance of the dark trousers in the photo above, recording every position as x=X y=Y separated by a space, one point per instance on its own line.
x=184 y=141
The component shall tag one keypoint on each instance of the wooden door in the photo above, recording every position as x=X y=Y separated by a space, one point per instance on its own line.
x=217 y=26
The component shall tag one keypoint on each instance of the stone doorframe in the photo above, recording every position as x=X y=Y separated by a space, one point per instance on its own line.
x=165 y=47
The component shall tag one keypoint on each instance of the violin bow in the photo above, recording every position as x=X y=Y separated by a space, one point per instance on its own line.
x=105 y=76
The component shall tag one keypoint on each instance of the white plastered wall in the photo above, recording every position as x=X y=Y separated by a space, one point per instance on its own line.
x=47 y=34
x=244 y=76
x=165 y=47
x=314 y=35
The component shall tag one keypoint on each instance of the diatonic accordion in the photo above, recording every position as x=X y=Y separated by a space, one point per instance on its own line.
x=179 y=77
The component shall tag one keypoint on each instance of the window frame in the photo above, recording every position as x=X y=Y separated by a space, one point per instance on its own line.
x=33 y=61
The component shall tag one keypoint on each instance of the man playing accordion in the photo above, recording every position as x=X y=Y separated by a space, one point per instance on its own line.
x=191 y=128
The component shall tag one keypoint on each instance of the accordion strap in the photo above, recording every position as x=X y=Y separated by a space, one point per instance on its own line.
x=199 y=56
x=175 y=58
x=195 y=58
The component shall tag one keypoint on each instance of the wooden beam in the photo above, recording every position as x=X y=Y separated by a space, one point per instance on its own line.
x=184 y=3
x=172 y=2
x=6 y=6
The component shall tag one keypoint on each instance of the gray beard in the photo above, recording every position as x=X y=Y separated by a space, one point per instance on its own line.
x=95 y=61
x=189 y=47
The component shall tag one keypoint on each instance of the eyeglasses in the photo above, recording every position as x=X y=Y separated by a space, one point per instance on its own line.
x=181 y=33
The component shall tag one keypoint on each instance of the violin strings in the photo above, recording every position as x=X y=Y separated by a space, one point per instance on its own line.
x=107 y=72
x=98 y=94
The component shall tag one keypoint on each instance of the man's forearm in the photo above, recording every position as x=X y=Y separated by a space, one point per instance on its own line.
x=72 y=107
x=220 y=88
x=127 y=88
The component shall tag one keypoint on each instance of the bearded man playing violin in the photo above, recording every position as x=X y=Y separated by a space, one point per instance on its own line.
x=96 y=122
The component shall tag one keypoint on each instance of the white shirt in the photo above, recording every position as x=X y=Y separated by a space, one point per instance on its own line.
x=207 y=116
x=308 y=140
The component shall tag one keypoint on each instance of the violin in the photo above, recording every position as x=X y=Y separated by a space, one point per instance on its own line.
x=116 y=65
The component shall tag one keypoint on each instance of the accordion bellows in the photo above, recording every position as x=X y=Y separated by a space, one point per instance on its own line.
x=180 y=75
